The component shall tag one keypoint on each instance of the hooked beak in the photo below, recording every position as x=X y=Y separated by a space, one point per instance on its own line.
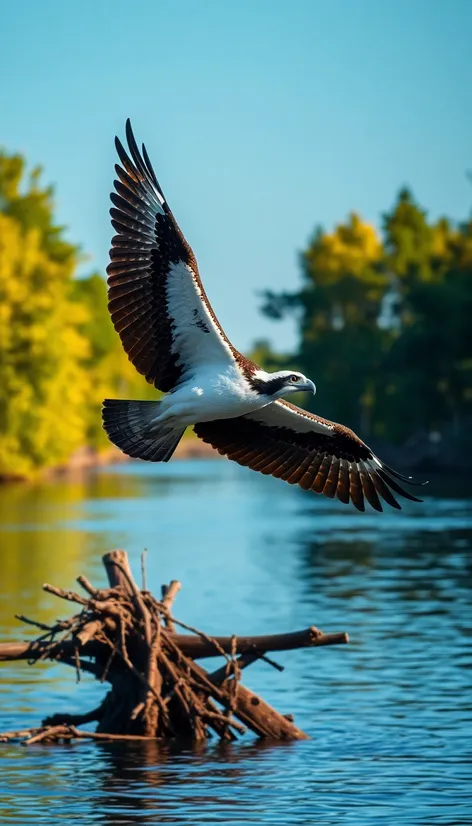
x=309 y=387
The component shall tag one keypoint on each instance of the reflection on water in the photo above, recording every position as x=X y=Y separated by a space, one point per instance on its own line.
x=390 y=715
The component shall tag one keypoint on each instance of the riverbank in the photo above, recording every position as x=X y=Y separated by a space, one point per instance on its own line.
x=423 y=453
x=88 y=458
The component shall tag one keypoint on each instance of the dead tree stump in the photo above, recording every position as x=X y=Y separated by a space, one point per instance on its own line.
x=125 y=636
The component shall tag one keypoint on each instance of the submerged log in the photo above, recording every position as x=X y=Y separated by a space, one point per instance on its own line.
x=124 y=635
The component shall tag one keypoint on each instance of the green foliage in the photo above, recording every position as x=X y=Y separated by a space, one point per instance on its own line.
x=385 y=322
x=59 y=355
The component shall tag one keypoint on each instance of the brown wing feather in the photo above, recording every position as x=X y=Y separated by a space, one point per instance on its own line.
x=332 y=479
x=318 y=455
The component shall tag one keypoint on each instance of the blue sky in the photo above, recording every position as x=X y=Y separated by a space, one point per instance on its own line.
x=263 y=118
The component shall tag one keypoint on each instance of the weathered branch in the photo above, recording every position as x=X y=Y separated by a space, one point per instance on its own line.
x=197 y=648
x=118 y=570
x=57 y=733
x=192 y=646
x=169 y=593
x=42 y=649
x=71 y=596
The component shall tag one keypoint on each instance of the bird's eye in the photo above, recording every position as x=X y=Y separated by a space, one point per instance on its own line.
x=294 y=378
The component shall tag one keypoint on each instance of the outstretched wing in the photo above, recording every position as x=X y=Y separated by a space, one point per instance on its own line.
x=156 y=299
x=289 y=443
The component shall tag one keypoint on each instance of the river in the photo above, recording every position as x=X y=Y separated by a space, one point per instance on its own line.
x=390 y=715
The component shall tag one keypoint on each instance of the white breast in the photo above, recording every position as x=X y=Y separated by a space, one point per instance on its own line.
x=213 y=393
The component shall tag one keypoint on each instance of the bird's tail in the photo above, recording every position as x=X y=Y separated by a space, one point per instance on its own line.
x=127 y=425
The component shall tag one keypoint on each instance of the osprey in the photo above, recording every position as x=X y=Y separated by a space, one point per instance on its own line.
x=170 y=332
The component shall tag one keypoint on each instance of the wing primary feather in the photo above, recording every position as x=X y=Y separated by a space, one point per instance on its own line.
x=355 y=488
x=126 y=160
x=153 y=174
x=133 y=147
x=383 y=490
x=408 y=479
x=368 y=487
x=320 y=479
x=342 y=489
x=331 y=483
x=396 y=487
x=306 y=480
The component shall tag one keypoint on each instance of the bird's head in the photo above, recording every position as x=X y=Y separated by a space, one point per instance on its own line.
x=282 y=383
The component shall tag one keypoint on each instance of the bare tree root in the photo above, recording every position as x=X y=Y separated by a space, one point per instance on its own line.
x=127 y=637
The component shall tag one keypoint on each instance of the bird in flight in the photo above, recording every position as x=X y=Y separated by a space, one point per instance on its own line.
x=170 y=333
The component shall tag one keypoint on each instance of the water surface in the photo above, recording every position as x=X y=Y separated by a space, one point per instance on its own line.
x=390 y=715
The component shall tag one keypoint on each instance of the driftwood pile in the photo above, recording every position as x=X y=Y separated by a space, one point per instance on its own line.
x=125 y=636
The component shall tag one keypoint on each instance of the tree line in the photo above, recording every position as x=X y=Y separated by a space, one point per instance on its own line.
x=383 y=319
x=384 y=323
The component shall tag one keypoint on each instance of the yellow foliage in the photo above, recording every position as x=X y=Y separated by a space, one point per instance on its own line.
x=43 y=384
x=442 y=236
x=352 y=249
